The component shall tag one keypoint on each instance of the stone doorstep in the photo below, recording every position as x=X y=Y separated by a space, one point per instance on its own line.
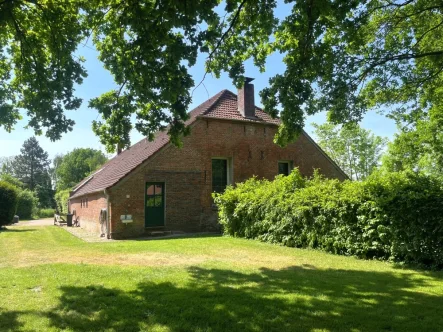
x=160 y=233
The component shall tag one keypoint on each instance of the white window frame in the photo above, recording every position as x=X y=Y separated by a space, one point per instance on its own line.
x=229 y=170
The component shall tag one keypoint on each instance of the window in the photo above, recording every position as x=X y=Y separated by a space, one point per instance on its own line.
x=84 y=203
x=284 y=167
x=154 y=195
x=220 y=174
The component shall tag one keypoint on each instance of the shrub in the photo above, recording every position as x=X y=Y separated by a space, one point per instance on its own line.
x=8 y=203
x=46 y=213
x=11 y=180
x=61 y=200
x=396 y=216
x=27 y=204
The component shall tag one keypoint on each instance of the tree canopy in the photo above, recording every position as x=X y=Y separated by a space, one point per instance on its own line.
x=6 y=165
x=342 y=56
x=418 y=148
x=76 y=165
x=31 y=167
x=356 y=150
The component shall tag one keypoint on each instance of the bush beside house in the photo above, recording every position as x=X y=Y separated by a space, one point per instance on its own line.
x=61 y=200
x=8 y=203
x=390 y=216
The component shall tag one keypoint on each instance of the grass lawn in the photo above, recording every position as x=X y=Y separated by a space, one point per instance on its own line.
x=51 y=281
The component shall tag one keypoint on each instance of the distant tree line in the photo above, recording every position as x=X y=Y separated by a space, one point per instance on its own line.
x=36 y=182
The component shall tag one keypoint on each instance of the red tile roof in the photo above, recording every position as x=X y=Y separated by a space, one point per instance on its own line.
x=226 y=108
x=223 y=106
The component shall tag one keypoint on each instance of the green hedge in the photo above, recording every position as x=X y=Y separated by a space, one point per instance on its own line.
x=61 y=200
x=396 y=216
x=27 y=204
x=46 y=213
x=8 y=203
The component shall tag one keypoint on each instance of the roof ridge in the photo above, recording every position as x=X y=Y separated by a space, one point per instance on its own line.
x=217 y=96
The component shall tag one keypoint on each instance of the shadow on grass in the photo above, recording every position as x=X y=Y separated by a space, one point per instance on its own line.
x=9 y=320
x=297 y=298
x=177 y=236
x=14 y=230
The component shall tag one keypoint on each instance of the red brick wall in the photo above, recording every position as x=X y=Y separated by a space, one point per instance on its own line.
x=187 y=172
x=89 y=216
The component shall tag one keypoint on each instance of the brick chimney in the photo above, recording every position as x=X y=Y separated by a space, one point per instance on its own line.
x=245 y=99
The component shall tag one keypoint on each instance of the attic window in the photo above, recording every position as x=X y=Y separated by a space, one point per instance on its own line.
x=284 y=167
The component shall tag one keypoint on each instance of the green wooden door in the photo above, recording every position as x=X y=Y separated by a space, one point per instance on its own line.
x=155 y=204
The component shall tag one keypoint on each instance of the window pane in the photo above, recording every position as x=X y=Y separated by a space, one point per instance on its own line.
x=219 y=175
x=150 y=190
x=283 y=168
x=150 y=201
x=158 y=189
x=159 y=201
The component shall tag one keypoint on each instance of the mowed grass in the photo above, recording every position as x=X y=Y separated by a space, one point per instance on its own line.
x=51 y=281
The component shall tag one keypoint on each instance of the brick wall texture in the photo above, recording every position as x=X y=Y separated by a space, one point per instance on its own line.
x=89 y=215
x=186 y=173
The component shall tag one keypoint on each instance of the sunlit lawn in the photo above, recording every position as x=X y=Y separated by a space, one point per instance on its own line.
x=50 y=281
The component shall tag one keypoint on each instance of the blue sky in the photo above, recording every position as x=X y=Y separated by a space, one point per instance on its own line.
x=99 y=81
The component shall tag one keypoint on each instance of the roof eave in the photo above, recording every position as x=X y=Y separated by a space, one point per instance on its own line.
x=325 y=154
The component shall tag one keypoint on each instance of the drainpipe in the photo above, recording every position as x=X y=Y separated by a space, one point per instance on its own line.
x=108 y=221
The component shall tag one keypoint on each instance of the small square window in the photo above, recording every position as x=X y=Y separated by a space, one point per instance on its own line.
x=284 y=167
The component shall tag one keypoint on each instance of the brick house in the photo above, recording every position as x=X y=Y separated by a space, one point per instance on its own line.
x=157 y=186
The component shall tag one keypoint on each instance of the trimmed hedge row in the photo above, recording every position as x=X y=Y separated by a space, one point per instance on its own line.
x=390 y=216
x=8 y=203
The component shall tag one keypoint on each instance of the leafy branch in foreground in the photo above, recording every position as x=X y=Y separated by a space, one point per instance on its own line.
x=341 y=56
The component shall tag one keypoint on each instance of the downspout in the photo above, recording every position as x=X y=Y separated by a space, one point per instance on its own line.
x=108 y=221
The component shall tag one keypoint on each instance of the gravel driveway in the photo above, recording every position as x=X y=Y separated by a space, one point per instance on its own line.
x=39 y=222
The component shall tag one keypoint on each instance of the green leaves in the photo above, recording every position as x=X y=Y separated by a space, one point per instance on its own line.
x=38 y=69
x=356 y=150
x=146 y=47
x=390 y=216
x=74 y=166
x=8 y=202
x=344 y=57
